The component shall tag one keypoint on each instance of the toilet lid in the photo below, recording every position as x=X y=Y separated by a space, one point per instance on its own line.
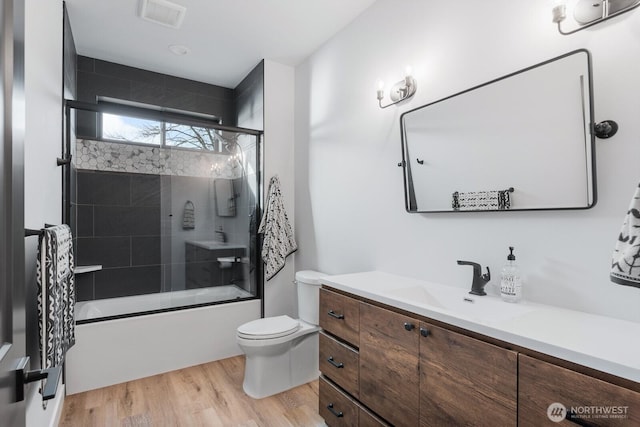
x=269 y=327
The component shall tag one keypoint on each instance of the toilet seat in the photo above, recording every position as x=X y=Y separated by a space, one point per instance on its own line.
x=268 y=328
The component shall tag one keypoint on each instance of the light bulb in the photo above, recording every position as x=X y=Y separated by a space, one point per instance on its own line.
x=558 y=11
x=380 y=91
x=407 y=75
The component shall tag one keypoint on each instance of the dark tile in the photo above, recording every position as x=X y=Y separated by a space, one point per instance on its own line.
x=105 y=251
x=145 y=221
x=86 y=64
x=148 y=93
x=200 y=103
x=84 y=287
x=126 y=221
x=118 y=282
x=145 y=190
x=73 y=181
x=87 y=125
x=145 y=250
x=252 y=81
x=85 y=90
x=102 y=85
x=99 y=188
x=84 y=221
x=125 y=72
x=178 y=84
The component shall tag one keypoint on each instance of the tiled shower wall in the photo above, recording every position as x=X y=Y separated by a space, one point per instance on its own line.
x=118 y=226
x=120 y=218
x=121 y=221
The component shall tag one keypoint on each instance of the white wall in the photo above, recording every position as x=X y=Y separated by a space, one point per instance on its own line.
x=349 y=197
x=280 y=296
x=43 y=139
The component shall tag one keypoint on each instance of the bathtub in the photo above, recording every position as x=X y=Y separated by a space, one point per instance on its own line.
x=122 y=349
x=119 y=307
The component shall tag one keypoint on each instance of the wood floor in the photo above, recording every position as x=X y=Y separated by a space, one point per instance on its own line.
x=203 y=395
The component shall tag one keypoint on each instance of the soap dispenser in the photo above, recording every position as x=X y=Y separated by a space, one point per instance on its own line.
x=510 y=280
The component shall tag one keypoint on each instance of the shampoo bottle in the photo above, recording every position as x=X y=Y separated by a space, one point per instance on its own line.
x=511 y=281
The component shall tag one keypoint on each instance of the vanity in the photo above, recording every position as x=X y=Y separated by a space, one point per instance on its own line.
x=404 y=352
x=212 y=263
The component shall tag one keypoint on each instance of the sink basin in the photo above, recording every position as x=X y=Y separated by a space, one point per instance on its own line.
x=445 y=299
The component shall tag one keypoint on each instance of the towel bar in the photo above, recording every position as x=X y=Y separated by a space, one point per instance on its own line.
x=31 y=232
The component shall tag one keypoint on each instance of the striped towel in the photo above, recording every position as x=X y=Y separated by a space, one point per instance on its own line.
x=481 y=200
x=625 y=263
x=56 y=294
x=278 y=241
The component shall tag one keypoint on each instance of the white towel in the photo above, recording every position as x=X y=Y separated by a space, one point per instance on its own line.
x=278 y=240
x=56 y=294
x=625 y=263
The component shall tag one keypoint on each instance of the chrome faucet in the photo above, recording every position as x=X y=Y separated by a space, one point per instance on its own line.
x=479 y=279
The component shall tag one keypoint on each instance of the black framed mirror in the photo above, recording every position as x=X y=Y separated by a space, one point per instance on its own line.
x=523 y=141
x=576 y=15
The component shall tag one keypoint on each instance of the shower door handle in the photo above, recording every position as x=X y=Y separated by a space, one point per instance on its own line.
x=24 y=376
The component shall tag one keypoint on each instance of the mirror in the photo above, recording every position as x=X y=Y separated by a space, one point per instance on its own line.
x=520 y=142
x=225 y=197
x=575 y=15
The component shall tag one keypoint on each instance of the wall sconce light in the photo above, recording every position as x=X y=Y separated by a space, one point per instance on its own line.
x=575 y=15
x=400 y=91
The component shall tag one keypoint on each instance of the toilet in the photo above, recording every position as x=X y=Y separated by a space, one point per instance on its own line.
x=281 y=352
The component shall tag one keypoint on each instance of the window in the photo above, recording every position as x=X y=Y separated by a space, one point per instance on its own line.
x=134 y=130
x=185 y=136
x=131 y=129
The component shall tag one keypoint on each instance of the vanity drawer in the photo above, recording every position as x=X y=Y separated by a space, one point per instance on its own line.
x=542 y=383
x=337 y=409
x=367 y=419
x=340 y=315
x=339 y=362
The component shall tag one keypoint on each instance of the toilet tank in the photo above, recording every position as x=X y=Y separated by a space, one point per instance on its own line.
x=308 y=282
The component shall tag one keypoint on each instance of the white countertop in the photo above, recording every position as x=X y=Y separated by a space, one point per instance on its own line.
x=599 y=342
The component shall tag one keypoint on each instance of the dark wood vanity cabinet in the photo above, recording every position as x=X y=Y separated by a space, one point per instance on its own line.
x=339 y=362
x=465 y=381
x=586 y=400
x=389 y=372
x=383 y=365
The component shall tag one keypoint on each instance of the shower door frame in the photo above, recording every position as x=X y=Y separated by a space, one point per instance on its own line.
x=170 y=116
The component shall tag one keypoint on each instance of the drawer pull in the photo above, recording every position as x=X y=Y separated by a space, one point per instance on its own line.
x=333 y=314
x=334 y=363
x=424 y=332
x=333 y=411
x=409 y=326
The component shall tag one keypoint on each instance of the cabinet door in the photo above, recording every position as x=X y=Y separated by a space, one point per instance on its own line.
x=464 y=381
x=585 y=400
x=389 y=377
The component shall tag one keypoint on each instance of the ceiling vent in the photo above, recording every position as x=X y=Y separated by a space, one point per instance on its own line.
x=162 y=12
